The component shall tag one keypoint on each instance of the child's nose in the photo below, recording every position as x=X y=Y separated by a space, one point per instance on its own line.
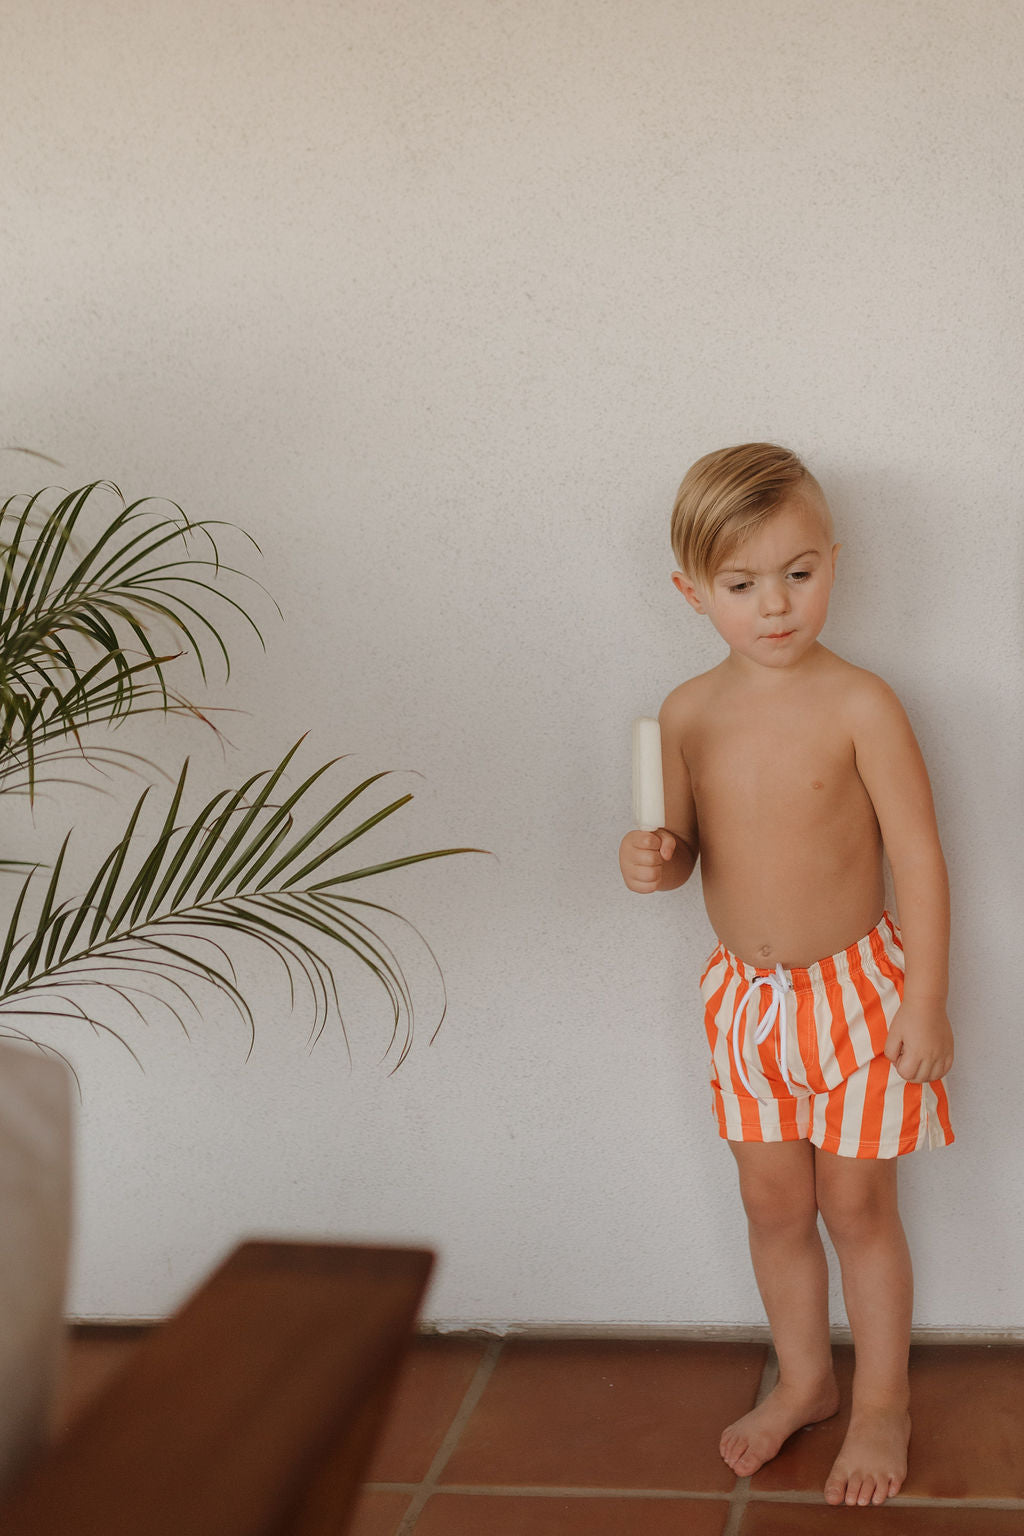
x=774 y=597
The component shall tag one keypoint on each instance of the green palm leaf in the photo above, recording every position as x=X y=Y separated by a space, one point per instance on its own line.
x=79 y=614
x=170 y=907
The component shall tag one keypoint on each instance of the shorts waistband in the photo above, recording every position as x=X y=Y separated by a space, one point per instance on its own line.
x=868 y=950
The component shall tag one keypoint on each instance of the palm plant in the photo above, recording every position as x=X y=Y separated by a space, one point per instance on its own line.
x=171 y=902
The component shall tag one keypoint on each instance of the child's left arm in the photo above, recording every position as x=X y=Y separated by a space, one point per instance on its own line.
x=892 y=769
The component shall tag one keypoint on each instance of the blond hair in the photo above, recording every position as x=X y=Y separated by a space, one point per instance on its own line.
x=728 y=495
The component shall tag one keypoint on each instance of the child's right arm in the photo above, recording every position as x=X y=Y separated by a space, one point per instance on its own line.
x=664 y=860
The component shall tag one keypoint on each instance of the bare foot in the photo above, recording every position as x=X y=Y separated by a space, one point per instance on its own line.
x=872 y=1464
x=759 y=1435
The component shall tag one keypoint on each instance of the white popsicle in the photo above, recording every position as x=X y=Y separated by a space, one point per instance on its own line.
x=648 y=784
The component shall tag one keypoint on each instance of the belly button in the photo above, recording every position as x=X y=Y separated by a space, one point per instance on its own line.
x=765 y=950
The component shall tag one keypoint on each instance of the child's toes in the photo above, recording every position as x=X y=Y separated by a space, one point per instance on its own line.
x=732 y=1453
x=864 y=1489
x=738 y=1456
x=887 y=1488
x=835 y=1489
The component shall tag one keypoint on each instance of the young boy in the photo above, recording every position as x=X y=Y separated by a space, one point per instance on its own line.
x=787 y=771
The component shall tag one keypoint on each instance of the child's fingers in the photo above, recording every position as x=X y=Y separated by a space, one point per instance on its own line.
x=643 y=857
x=662 y=843
x=651 y=848
x=644 y=869
x=646 y=842
x=907 y=1063
x=928 y=1069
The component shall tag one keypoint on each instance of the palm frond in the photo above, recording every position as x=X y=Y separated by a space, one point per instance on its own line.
x=172 y=905
x=80 y=616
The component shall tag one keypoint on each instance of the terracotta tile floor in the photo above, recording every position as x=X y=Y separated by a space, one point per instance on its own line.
x=606 y=1438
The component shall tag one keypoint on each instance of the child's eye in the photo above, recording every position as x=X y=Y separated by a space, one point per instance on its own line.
x=739 y=586
x=800 y=575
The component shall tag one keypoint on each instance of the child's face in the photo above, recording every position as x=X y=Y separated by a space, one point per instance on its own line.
x=769 y=601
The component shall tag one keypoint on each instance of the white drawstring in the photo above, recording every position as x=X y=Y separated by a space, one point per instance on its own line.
x=778 y=983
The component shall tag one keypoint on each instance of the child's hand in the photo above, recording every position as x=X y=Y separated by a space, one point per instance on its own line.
x=920 y=1042
x=644 y=857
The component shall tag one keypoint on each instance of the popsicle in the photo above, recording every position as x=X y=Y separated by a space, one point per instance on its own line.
x=648 y=784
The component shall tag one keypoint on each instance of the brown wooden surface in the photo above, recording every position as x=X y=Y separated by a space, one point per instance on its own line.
x=250 y=1413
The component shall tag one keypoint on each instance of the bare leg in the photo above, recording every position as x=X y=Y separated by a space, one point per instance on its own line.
x=777 y=1183
x=857 y=1197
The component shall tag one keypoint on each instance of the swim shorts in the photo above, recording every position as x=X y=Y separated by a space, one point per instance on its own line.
x=797 y=1054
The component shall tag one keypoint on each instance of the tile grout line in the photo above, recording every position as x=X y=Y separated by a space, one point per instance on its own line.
x=554 y=1491
x=692 y=1496
x=901 y=1501
x=473 y=1394
x=741 y=1493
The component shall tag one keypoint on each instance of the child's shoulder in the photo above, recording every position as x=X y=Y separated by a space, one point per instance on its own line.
x=691 y=697
x=864 y=695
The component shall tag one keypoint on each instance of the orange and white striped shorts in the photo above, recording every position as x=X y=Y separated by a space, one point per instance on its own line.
x=797 y=1054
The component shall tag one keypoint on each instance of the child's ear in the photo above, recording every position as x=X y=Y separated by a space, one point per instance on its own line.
x=835 y=556
x=683 y=584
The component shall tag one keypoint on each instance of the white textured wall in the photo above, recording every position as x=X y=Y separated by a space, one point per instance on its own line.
x=439 y=298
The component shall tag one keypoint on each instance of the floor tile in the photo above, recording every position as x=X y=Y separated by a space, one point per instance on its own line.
x=585 y=1414
x=92 y=1358
x=452 y=1514
x=434 y=1380
x=967 y=1403
x=891 y=1520
x=378 y=1514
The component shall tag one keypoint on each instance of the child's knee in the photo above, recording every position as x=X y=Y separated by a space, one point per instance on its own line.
x=776 y=1204
x=784 y=1220
x=857 y=1201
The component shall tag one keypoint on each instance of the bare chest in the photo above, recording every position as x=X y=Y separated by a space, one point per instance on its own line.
x=784 y=768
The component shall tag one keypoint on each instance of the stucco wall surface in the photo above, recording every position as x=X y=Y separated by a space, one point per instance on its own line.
x=438 y=298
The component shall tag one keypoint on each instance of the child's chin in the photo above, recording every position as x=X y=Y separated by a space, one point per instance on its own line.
x=784 y=654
